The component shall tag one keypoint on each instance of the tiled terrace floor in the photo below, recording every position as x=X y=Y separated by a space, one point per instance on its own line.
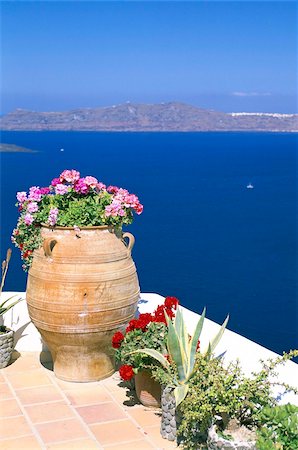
x=39 y=411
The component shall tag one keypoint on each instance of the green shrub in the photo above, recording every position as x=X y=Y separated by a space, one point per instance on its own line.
x=223 y=393
x=280 y=428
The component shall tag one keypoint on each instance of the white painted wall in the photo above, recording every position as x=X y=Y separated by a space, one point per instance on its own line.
x=27 y=338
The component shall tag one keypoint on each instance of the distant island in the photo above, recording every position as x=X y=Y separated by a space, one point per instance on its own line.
x=12 y=148
x=172 y=116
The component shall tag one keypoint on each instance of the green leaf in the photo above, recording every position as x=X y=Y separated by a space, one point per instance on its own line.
x=194 y=341
x=218 y=337
x=181 y=331
x=176 y=351
x=4 y=309
x=155 y=354
x=180 y=393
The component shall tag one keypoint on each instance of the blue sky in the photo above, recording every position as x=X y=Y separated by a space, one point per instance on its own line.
x=230 y=56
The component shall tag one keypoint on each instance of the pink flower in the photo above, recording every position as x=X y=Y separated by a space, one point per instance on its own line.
x=139 y=209
x=81 y=187
x=21 y=196
x=55 y=181
x=28 y=219
x=52 y=219
x=100 y=186
x=91 y=181
x=70 y=176
x=114 y=209
x=112 y=189
x=44 y=190
x=61 y=189
x=32 y=207
x=34 y=194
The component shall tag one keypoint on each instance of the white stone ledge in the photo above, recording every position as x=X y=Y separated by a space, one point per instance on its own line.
x=233 y=345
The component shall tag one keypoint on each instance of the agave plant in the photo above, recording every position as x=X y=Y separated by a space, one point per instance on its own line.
x=182 y=350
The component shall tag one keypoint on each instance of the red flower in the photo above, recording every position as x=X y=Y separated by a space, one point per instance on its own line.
x=131 y=325
x=171 y=302
x=159 y=314
x=117 y=339
x=126 y=372
x=198 y=346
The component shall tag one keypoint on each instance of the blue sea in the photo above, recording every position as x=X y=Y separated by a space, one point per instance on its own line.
x=203 y=236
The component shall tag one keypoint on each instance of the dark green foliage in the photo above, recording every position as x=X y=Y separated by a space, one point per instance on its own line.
x=280 y=428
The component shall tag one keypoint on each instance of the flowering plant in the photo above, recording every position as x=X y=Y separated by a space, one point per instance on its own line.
x=70 y=201
x=148 y=330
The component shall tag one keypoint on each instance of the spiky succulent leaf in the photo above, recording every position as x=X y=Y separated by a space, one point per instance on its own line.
x=4 y=309
x=218 y=337
x=180 y=393
x=176 y=351
x=181 y=331
x=194 y=341
x=155 y=354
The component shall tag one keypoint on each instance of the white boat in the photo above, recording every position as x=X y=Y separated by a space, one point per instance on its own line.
x=249 y=186
x=61 y=149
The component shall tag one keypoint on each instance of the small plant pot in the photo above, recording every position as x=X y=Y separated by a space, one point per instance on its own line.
x=147 y=389
x=218 y=442
x=6 y=347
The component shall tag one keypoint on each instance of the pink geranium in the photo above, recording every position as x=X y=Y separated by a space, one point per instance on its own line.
x=114 y=209
x=81 y=187
x=112 y=189
x=91 y=181
x=101 y=186
x=34 y=194
x=55 y=181
x=61 y=189
x=69 y=176
x=28 y=219
x=52 y=219
x=32 y=207
x=21 y=196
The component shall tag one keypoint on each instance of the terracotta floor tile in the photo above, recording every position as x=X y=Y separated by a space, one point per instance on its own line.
x=61 y=431
x=68 y=385
x=1 y=378
x=122 y=397
x=133 y=445
x=14 y=427
x=5 y=391
x=144 y=416
x=88 y=395
x=112 y=382
x=24 y=443
x=116 y=432
x=26 y=362
x=82 y=444
x=29 y=378
x=153 y=433
x=9 y=408
x=46 y=412
x=104 y=412
x=38 y=395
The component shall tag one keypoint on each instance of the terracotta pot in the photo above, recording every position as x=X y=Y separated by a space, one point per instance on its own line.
x=147 y=389
x=82 y=287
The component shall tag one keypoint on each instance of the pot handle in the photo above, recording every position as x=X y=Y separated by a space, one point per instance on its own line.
x=48 y=245
x=131 y=240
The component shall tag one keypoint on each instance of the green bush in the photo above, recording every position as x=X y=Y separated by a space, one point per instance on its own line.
x=223 y=392
x=280 y=428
